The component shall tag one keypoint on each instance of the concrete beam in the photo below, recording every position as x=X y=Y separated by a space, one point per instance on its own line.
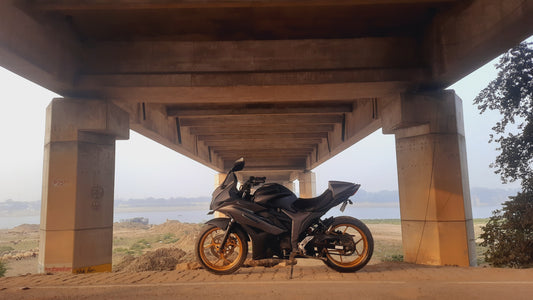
x=215 y=121
x=243 y=137
x=256 y=94
x=356 y=125
x=250 y=77
x=258 y=109
x=278 y=153
x=469 y=36
x=251 y=130
x=186 y=58
x=272 y=147
x=69 y=6
x=46 y=55
x=271 y=176
x=284 y=163
x=151 y=121
x=263 y=143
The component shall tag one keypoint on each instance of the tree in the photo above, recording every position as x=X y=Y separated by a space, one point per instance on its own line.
x=511 y=93
x=508 y=234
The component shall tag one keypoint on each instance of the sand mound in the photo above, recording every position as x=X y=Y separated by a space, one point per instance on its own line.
x=26 y=228
x=130 y=226
x=174 y=226
x=186 y=233
x=162 y=259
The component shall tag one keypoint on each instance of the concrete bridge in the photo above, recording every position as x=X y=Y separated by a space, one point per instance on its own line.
x=287 y=84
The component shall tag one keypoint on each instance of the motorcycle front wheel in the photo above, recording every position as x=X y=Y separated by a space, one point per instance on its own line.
x=227 y=261
x=356 y=255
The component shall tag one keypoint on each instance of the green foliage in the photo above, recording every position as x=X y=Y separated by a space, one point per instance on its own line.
x=140 y=245
x=508 y=236
x=382 y=221
x=124 y=251
x=168 y=238
x=6 y=249
x=3 y=268
x=511 y=93
x=394 y=257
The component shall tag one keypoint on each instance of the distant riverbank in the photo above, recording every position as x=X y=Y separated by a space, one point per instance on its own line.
x=158 y=216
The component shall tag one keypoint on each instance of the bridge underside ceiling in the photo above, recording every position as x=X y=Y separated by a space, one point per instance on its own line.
x=285 y=83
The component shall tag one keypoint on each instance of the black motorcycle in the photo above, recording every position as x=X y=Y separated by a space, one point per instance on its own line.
x=279 y=224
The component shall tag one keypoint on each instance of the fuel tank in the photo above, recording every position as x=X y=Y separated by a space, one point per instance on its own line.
x=274 y=195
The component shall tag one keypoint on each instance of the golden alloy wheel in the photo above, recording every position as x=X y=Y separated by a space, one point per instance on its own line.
x=216 y=260
x=352 y=257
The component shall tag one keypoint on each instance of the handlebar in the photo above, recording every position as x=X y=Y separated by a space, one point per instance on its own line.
x=245 y=190
x=256 y=180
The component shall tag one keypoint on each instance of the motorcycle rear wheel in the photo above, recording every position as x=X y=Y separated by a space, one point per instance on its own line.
x=347 y=260
x=221 y=262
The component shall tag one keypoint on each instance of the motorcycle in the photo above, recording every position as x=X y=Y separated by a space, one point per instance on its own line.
x=280 y=225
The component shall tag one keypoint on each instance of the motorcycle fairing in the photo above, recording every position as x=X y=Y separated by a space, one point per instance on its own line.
x=341 y=189
x=226 y=192
x=274 y=195
x=300 y=220
x=264 y=244
x=246 y=213
x=261 y=241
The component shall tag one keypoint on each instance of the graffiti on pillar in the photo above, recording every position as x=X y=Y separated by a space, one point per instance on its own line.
x=59 y=182
x=84 y=270
x=97 y=193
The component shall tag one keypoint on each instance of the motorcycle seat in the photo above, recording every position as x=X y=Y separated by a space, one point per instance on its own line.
x=314 y=204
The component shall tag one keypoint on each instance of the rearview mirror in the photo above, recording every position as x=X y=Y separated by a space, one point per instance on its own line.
x=239 y=165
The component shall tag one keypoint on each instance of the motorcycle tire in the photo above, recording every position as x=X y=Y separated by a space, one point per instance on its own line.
x=221 y=262
x=352 y=261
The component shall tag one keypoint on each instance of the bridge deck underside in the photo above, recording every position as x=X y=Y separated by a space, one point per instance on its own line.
x=285 y=83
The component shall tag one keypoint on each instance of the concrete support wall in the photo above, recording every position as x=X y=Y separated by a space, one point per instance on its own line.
x=76 y=232
x=435 y=206
x=219 y=178
x=290 y=185
x=307 y=184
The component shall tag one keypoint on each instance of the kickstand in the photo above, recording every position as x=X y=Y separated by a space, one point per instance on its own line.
x=292 y=261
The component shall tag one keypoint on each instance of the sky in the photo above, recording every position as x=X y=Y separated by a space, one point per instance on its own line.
x=147 y=169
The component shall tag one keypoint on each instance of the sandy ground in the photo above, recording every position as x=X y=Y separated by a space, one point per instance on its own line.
x=311 y=281
x=25 y=237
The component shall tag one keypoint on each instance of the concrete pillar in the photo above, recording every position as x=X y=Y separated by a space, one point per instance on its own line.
x=435 y=206
x=76 y=232
x=290 y=185
x=307 y=184
x=219 y=178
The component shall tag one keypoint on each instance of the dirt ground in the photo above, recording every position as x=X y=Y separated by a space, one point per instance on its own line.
x=383 y=278
x=21 y=243
x=388 y=280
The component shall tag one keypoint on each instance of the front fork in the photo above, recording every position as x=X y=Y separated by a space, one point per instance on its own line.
x=226 y=236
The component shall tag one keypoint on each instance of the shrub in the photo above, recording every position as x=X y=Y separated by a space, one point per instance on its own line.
x=168 y=238
x=3 y=268
x=6 y=249
x=394 y=257
x=508 y=234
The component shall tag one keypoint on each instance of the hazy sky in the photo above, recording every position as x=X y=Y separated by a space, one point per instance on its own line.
x=147 y=169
